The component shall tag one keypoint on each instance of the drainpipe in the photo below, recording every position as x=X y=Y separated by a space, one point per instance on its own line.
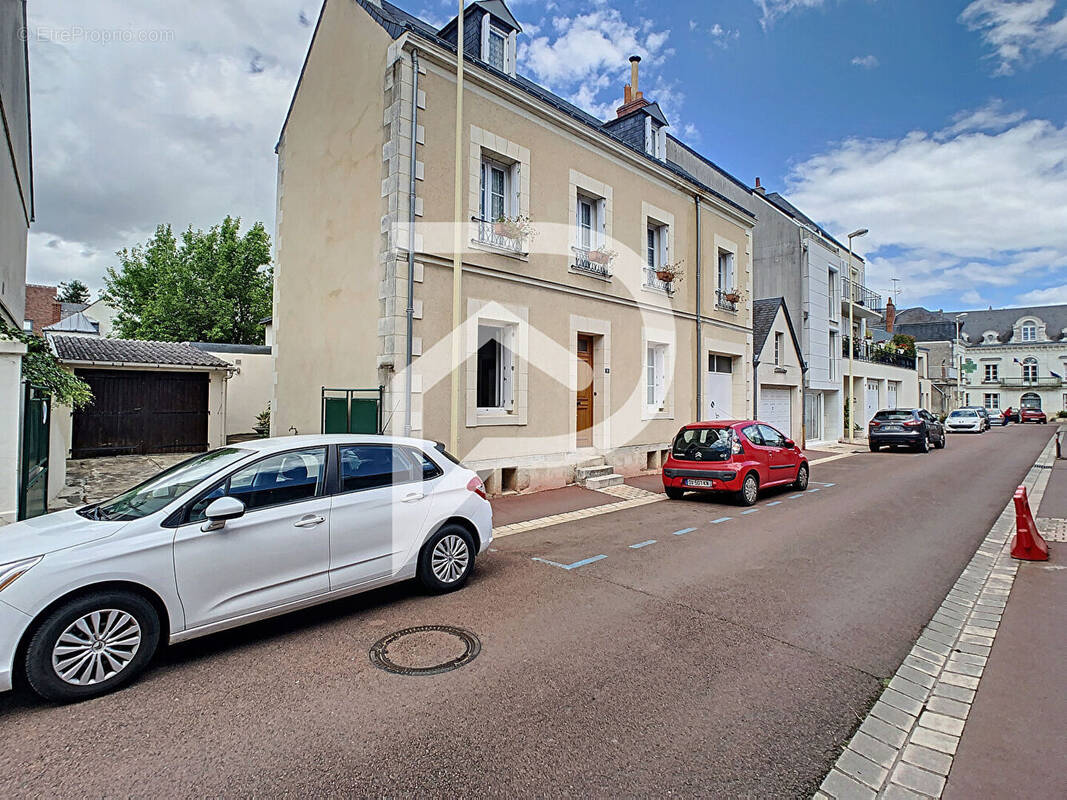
x=411 y=243
x=457 y=243
x=700 y=343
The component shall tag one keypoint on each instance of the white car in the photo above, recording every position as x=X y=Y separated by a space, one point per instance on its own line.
x=228 y=537
x=996 y=417
x=965 y=420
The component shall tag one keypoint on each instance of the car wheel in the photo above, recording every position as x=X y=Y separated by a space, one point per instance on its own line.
x=875 y=447
x=940 y=444
x=924 y=445
x=749 y=493
x=673 y=494
x=447 y=559
x=801 y=483
x=91 y=645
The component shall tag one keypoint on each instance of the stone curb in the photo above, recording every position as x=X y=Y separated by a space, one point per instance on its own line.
x=905 y=746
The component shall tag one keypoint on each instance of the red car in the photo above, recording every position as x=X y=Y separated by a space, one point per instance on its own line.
x=1032 y=415
x=739 y=456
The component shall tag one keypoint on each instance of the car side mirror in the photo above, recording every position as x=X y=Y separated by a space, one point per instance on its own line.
x=790 y=443
x=221 y=510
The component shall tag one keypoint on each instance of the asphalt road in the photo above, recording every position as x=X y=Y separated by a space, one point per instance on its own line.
x=732 y=660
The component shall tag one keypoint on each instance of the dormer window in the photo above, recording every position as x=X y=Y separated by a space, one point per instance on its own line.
x=655 y=139
x=498 y=46
x=1029 y=332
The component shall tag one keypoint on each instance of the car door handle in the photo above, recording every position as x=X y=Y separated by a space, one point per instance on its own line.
x=412 y=497
x=310 y=521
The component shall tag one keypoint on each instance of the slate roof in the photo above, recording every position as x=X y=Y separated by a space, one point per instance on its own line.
x=775 y=199
x=395 y=21
x=75 y=323
x=132 y=351
x=251 y=349
x=941 y=325
x=763 y=315
x=66 y=309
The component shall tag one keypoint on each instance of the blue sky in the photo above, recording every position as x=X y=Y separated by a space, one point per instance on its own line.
x=938 y=124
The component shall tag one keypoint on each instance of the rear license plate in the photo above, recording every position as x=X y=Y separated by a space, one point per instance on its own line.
x=694 y=482
x=892 y=428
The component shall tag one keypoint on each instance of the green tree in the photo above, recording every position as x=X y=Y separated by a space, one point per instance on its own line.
x=904 y=343
x=73 y=292
x=211 y=286
x=42 y=369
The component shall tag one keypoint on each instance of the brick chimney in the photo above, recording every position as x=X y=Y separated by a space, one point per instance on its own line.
x=890 y=315
x=759 y=186
x=632 y=98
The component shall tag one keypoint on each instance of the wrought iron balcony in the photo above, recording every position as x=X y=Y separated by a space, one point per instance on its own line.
x=861 y=296
x=595 y=262
x=1023 y=383
x=722 y=303
x=494 y=234
x=867 y=351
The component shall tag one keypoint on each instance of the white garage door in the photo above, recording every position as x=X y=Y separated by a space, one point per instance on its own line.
x=891 y=394
x=774 y=408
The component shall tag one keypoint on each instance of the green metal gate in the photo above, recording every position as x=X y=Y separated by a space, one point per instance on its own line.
x=33 y=465
x=352 y=410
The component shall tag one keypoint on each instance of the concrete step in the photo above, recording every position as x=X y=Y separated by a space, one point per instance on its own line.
x=592 y=461
x=603 y=481
x=585 y=473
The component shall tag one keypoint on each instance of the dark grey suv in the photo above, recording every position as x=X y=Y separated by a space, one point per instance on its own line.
x=916 y=428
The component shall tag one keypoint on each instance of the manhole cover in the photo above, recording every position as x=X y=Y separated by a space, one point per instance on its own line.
x=425 y=650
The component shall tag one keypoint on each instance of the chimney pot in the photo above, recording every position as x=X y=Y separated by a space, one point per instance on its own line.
x=759 y=186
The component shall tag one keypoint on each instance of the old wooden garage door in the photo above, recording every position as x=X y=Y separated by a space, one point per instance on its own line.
x=141 y=412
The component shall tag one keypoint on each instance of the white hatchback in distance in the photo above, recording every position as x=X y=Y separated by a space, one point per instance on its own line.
x=228 y=537
x=965 y=420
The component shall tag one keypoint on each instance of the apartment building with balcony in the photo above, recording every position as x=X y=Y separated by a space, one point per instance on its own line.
x=604 y=295
x=1006 y=358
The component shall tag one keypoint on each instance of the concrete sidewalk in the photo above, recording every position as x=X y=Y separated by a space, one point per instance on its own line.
x=1012 y=743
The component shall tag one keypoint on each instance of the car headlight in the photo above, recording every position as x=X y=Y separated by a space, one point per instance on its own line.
x=13 y=570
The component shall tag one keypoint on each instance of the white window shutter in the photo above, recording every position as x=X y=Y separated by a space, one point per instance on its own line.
x=601 y=221
x=648 y=135
x=509 y=55
x=515 y=188
x=485 y=38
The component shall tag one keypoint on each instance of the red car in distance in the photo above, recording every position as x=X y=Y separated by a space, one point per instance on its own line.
x=1032 y=415
x=738 y=456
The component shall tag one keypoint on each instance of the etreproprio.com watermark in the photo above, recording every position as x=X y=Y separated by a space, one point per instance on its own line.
x=75 y=34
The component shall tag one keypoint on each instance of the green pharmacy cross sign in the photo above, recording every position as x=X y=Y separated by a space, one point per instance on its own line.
x=969 y=366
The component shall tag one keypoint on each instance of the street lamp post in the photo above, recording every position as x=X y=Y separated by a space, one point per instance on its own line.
x=852 y=338
x=959 y=363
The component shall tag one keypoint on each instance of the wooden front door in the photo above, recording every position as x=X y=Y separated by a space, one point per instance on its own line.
x=585 y=391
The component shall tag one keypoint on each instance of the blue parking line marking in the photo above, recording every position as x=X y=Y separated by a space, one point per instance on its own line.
x=642 y=544
x=575 y=565
x=794 y=496
x=750 y=511
x=775 y=503
x=814 y=490
x=721 y=519
x=683 y=531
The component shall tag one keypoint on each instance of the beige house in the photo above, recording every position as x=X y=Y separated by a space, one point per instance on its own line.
x=778 y=368
x=570 y=344
x=16 y=214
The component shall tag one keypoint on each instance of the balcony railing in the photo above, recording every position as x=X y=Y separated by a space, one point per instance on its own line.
x=1023 y=383
x=592 y=261
x=722 y=302
x=655 y=283
x=866 y=351
x=862 y=296
x=491 y=233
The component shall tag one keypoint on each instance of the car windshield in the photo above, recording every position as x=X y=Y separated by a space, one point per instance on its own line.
x=893 y=416
x=152 y=495
x=703 y=441
x=964 y=414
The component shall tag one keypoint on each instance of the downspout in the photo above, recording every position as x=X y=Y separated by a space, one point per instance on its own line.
x=411 y=243
x=700 y=341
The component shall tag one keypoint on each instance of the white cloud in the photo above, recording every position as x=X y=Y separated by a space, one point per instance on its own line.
x=588 y=46
x=770 y=10
x=972 y=298
x=1045 y=297
x=867 y=62
x=178 y=127
x=1017 y=31
x=948 y=212
x=990 y=117
x=723 y=37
